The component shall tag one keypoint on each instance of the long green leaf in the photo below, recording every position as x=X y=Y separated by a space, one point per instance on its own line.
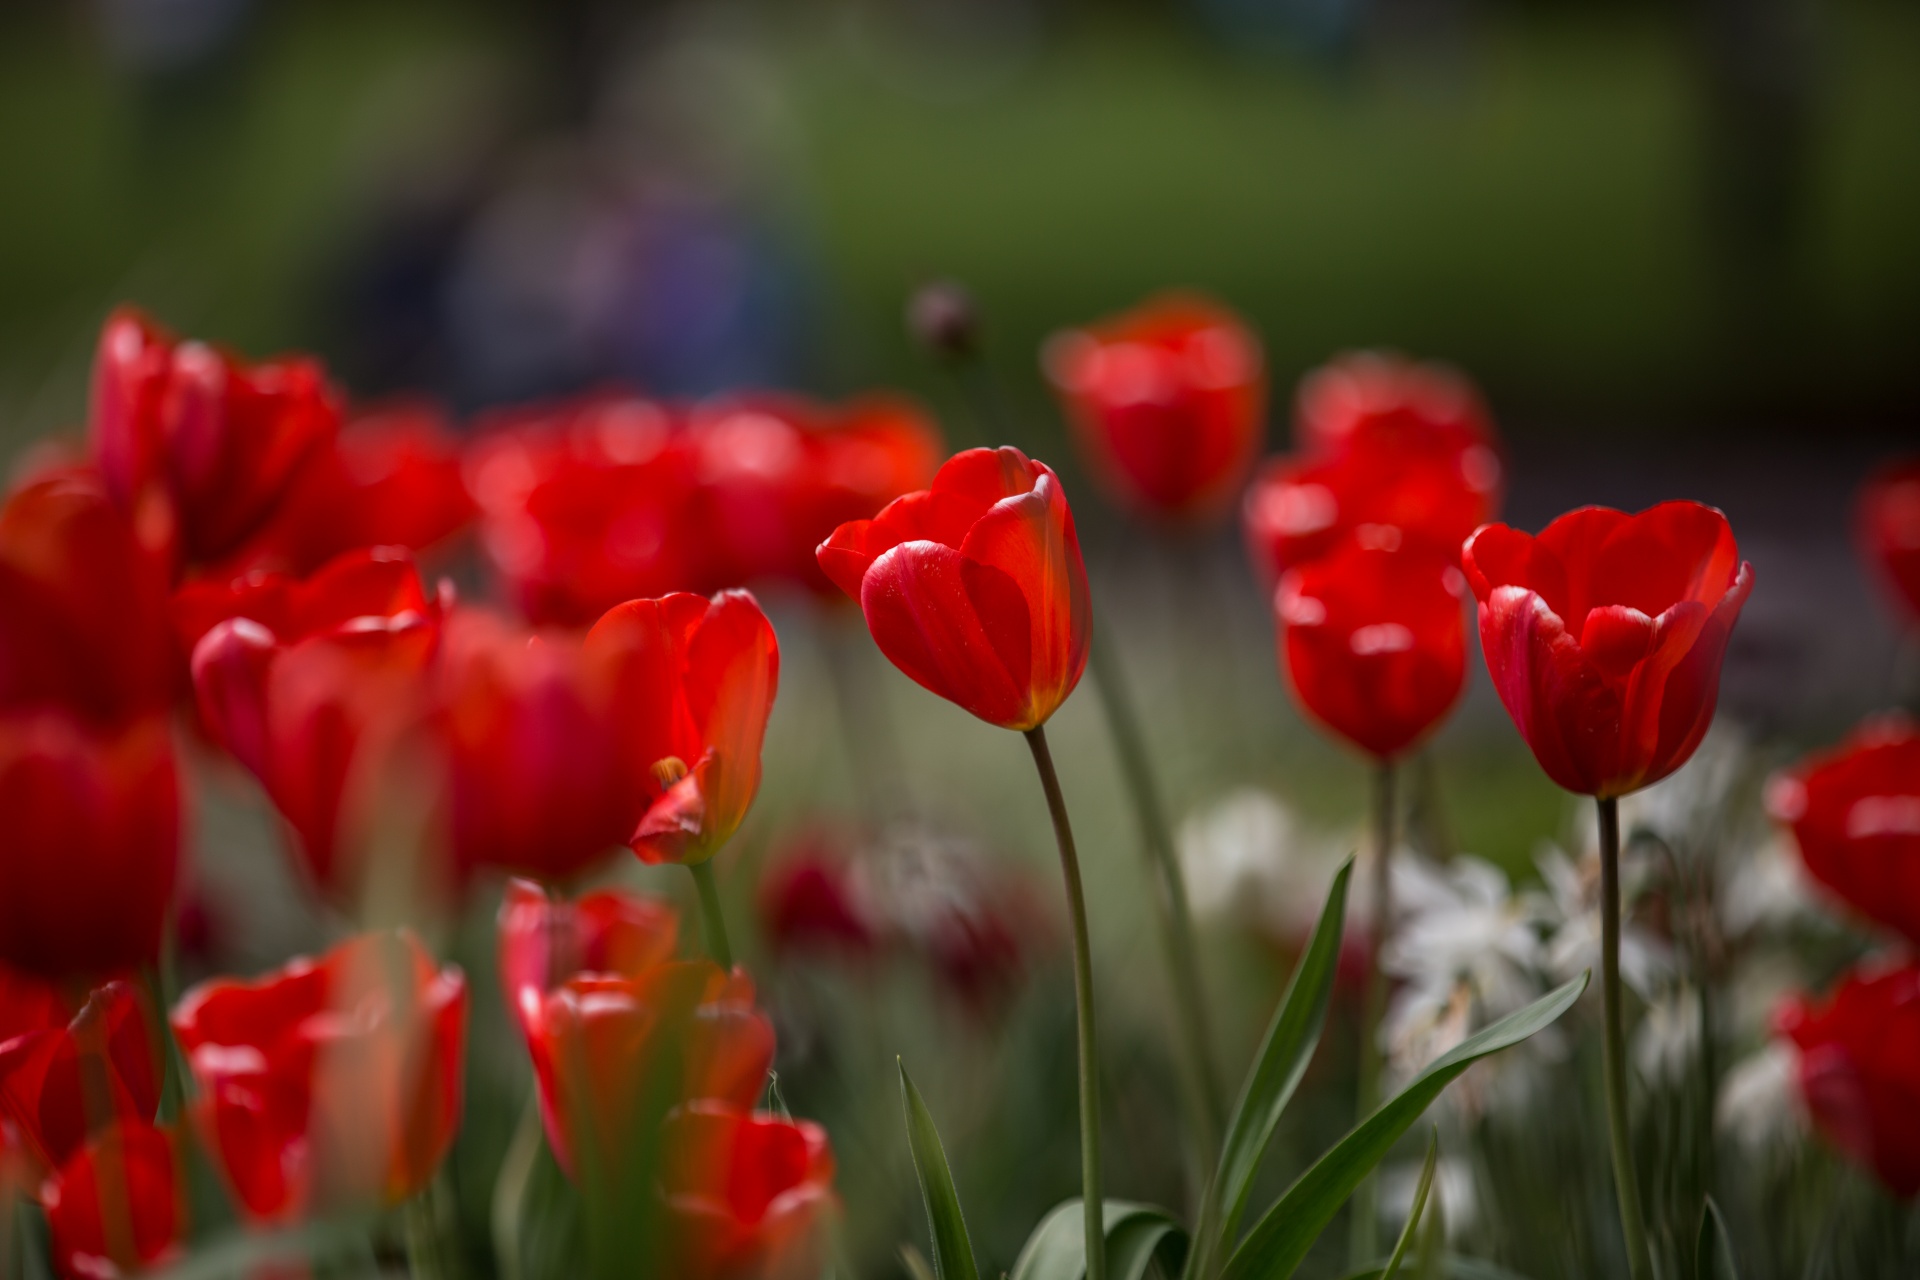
x=1413 y=1214
x=1713 y=1252
x=1281 y=1239
x=952 y=1251
x=1291 y=1039
x=1454 y=1267
x=1137 y=1235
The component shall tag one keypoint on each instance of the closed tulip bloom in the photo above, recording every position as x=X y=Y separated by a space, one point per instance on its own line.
x=748 y=1194
x=1604 y=636
x=392 y=477
x=694 y=682
x=118 y=1206
x=59 y=1084
x=310 y=713
x=375 y=582
x=331 y=1083
x=89 y=844
x=213 y=441
x=1373 y=640
x=1855 y=814
x=975 y=587
x=1887 y=526
x=1859 y=1069
x=83 y=603
x=1355 y=394
x=776 y=474
x=544 y=941
x=585 y=505
x=1167 y=404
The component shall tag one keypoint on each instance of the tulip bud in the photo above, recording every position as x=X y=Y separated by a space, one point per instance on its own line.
x=942 y=318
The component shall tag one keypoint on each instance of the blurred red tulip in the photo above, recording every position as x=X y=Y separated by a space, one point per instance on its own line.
x=543 y=942
x=1859 y=1070
x=975 y=587
x=392 y=477
x=89 y=844
x=695 y=681
x=1167 y=403
x=528 y=728
x=1604 y=636
x=1354 y=394
x=584 y=506
x=214 y=442
x=59 y=1084
x=118 y=1206
x=748 y=1194
x=1374 y=642
x=82 y=603
x=777 y=474
x=1887 y=523
x=313 y=712
x=809 y=899
x=1855 y=814
x=28 y=1003
x=331 y=1083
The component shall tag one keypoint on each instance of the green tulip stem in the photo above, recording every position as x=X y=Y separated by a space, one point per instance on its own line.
x=710 y=914
x=1626 y=1185
x=1091 y=1200
x=1366 y=1197
x=1174 y=915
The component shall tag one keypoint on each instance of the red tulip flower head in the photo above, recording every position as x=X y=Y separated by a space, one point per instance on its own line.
x=1887 y=524
x=694 y=682
x=975 y=587
x=118 y=1205
x=1361 y=392
x=1374 y=642
x=1604 y=636
x=543 y=942
x=333 y=1082
x=216 y=442
x=1859 y=1070
x=1856 y=816
x=59 y=1084
x=747 y=1194
x=1167 y=403
x=89 y=844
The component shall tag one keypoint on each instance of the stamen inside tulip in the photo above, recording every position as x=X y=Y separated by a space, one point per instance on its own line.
x=668 y=770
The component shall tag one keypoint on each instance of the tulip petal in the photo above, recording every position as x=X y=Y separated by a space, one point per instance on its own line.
x=732 y=677
x=1030 y=538
x=921 y=609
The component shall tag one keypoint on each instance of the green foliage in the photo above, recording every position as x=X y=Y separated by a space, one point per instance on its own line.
x=1138 y=1237
x=1713 y=1254
x=952 y=1251
x=1419 y=1204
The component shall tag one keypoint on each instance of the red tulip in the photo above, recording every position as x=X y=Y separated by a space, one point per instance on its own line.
x=1604 y=636
x=330 y=1083
x=311 y=712
x=211 y=442
x=1859 y=1070
x=975 y=587
x=811 y=899
x=1855 y=814
x=118 y=1206
x=1354 y=394
x=1374 y=642
x=391 y=478
x=1167 y=403
x=585 y=506
x=89 y=844
x=28 y=1003
x=1887 y=523
x=59 y=1084
x=748 y=1195
x=83 y=603
x=694 y=683
x=776 y=474
x=544 y=942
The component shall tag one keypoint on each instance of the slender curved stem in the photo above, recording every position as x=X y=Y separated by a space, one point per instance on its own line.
x=1092 y=1201
x=710 y=915
x=1173 y=914
x=1626 y=1184
x=1366 y=1197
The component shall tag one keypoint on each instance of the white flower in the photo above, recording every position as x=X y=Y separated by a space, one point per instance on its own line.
x=1760 y=1107
x=1668 y=1039
x=1248 y=857
x=1645 y=960
x=1690 y=805
x=1766 y=890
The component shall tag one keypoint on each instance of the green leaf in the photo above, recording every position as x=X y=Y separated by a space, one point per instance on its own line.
x=1713 y=1253
x=1281 y=1239
x=952 y=1251
x=1413 y=1214
x=1138 y=1235
x=1291 y=1039
x=1454 y=1267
